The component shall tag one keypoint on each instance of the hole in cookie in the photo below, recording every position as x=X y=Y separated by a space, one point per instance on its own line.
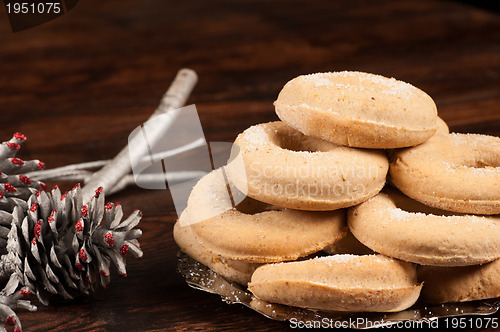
x=248 y=205
x=407 y=204
x=296 y=141
x=486 y=164
x=482 y=157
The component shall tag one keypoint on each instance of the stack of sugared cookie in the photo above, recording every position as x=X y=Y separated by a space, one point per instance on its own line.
x=312 y=184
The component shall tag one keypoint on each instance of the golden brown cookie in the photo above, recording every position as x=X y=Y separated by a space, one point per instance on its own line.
x=454 y=172
x=397 y=226
x=340 y=283
x=278 y=165
x=254 y=233
x=358 y=109
x=460 y=284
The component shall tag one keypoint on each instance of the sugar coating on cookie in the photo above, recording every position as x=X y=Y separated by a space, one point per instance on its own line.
x=358 y=109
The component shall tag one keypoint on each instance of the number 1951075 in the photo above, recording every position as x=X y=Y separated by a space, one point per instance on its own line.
x=33 y=8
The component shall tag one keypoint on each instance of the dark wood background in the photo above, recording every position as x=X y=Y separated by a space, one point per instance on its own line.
x=78 y=85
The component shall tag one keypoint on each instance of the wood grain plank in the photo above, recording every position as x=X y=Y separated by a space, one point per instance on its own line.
x=78 y=85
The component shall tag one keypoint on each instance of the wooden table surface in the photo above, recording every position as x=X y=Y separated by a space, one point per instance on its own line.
x=78 y=85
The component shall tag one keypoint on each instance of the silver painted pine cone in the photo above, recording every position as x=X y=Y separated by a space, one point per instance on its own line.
x=63 y=248
x=66 y=248
x=52 y=244
x=15 y=190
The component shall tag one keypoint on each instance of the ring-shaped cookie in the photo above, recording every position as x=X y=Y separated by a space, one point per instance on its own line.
x=340 y=283
x=279 y=165
x=454 y=172
x=253 y=233
x=358 y=109
x=397 y=226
